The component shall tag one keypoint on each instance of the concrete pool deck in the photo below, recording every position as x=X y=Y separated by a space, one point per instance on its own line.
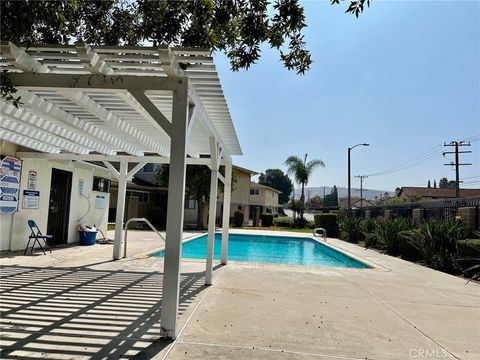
x=77 y=303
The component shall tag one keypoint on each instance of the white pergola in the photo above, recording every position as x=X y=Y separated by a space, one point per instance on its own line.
x=130 y=106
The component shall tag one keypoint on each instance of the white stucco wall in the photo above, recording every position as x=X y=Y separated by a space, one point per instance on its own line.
x=16 y=237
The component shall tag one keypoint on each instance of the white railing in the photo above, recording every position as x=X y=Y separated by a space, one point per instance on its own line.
x=138 y=220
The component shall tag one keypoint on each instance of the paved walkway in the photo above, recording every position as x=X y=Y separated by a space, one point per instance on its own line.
x=76 y=303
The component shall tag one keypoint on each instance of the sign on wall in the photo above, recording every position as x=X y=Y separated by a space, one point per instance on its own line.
x=31 y=199
x=32 y=180
x=10 y=169
x=100 y=201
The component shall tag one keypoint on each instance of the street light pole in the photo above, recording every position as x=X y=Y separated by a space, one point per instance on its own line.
x=349 y=174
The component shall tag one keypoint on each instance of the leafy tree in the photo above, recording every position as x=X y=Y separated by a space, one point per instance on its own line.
x=197 y=186
x=235 y=27
x=277 y=179
x=434 y=184
x=315 y=202
x=331 y=200
x=301 y=171
x=446 y=184
x=429 y=185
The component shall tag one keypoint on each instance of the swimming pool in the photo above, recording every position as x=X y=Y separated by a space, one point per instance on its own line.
x=270 y=249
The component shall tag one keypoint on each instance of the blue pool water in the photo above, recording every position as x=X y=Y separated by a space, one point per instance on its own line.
x=270 y=249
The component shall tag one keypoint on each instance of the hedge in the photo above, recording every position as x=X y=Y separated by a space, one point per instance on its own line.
x=267 y=219
x=238 y=218
x=329 y=222
x=283 y=221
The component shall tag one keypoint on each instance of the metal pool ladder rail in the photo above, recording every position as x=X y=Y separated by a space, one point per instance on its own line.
x=138 y=220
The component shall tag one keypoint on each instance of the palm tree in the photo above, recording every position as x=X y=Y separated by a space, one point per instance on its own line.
x=301 y=171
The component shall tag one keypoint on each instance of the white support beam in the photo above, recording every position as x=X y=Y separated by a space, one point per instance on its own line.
x=85 y=82
x=152 y=110
x=113 y=158
x=212 y=211
x=121 y=194
x=21 y=60
x=110 y=118
x=192 y=115
x=221 y=178
x=169 y=63
x=112 y=169
x=206 y=117
x=175 y=212
x=137 y=167
x=92 y=61
x=227 y=194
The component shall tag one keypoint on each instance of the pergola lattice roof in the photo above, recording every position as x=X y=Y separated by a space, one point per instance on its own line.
x=111 y=120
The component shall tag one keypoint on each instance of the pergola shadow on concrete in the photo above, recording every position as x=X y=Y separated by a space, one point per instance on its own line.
x=126 y=107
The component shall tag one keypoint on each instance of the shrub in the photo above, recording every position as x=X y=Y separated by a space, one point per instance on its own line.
x=238 y=218
x=311 y=224
x=329 y=222
x=387 y=231
x=284 y=221
x=158 y=217
x=267 y=220
x=369 y=235
x=469 y=256
x=301 y=223
x=437 y=243
x=351 y=229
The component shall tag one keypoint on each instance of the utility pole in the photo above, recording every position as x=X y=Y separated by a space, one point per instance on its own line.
x=457 y=163
x=361 y=177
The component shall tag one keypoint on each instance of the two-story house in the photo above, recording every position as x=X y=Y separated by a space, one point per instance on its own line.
x=263 y=198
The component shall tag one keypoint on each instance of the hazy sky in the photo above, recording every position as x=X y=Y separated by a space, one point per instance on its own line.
x=404 y=77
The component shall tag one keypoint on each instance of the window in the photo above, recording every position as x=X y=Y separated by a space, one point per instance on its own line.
x=142 y=196
x=254 y=192
x=189 y=204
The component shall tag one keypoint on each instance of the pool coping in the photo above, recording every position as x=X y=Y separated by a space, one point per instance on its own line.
x=372 y=266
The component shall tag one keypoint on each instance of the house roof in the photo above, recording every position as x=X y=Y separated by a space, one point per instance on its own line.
x=255 y=185
x=436 y=192
x=251 y=172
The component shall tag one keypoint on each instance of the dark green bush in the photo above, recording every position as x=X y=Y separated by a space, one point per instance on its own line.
x=369 y=235
x=301 y=223
x=437 y=243
x=238 y=218
x=351 y=229
x=311 y=224
x=283 y=221
x=329 y=222
x=387 y=231
x=158 y=217
x=267 y=220
x=469 y=256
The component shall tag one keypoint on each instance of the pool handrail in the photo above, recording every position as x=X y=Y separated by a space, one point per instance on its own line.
x=322 y=231
x=138 y=220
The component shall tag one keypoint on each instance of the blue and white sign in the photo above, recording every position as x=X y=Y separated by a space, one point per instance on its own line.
x=31 y=199
x=10 y=169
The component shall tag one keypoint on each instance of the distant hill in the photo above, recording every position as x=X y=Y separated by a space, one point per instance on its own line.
x=368 y=194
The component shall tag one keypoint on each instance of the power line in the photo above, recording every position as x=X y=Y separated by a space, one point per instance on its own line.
x=418 y=160
x=457 y=164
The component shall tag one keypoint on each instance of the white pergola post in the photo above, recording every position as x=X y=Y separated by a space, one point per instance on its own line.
x=121 y=194
x=176 y=198
x=227 y=192
x=212 y=211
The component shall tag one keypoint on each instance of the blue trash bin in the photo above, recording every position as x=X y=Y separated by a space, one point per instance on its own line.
x=87 y=237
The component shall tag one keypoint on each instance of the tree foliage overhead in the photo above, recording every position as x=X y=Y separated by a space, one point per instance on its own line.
x=277 y=179
x=236 y=27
